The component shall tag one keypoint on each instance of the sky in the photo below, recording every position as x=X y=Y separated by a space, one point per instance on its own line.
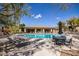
x=49 y=14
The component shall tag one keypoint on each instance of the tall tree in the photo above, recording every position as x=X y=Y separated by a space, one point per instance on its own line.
x=60 y=27
x=10 y=13
x=13 y=11
x=73 y=22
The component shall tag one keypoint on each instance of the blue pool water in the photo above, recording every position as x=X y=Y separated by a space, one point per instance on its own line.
x=39 y=35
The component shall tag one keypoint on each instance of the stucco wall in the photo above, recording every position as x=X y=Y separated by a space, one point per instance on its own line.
x=77 y=28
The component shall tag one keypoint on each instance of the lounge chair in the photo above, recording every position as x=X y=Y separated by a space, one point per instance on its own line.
x=22 y=44
x=11 y=40
x=68 y=42
x=60 y=40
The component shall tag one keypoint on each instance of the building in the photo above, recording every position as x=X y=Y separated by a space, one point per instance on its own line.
x=39 y=30
x=77 y=28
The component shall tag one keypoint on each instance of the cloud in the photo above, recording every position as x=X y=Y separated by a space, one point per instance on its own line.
x=37 y=16
x=32 y=15
x=57 y=18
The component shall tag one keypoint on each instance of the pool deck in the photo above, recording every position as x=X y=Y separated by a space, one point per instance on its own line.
x=48 y=51
x=44 y=52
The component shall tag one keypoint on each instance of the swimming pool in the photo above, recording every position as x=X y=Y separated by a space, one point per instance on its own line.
x=38 y=35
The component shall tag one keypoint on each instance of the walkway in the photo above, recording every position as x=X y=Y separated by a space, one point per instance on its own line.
x=44 y=52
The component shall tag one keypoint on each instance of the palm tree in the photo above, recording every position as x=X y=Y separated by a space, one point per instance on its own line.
x=22 y=26
x=64 y=6
x=64 y=26
x=10 y=13
x=77 y=21
x=13 y=11
x=73 y=22
x=60 y=27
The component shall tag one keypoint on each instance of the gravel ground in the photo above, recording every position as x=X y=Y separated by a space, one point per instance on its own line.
x=70 y=53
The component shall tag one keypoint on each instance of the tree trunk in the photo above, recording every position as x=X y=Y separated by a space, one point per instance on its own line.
x=60 y=28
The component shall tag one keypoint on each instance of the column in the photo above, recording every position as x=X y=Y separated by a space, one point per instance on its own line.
x=51 y=30
x=24 y=30
x=43 y=30
x=35 y=30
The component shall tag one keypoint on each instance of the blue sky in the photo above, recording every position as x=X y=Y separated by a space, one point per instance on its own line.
x=47 y=14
